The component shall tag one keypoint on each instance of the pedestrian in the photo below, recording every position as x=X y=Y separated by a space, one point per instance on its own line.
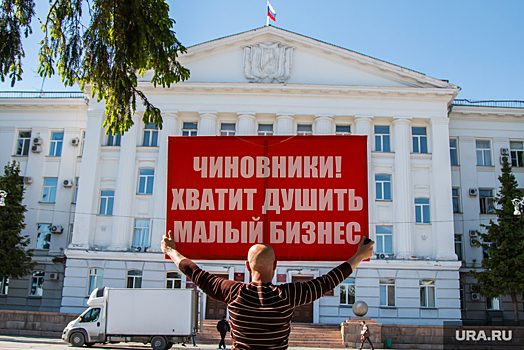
x=192 y=341
x=364 y=334
x=261 y=312
x=223 y=328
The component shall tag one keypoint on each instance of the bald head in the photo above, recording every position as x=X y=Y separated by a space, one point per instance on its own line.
x=261 y=257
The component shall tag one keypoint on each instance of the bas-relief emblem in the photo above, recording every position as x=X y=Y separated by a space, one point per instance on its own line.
x=267 y=62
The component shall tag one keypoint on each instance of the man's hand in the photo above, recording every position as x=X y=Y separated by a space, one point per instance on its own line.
x=169 y=248
x=364 y=251
x=168 y=243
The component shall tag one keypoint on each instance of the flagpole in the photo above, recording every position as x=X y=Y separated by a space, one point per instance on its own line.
x=267 y=14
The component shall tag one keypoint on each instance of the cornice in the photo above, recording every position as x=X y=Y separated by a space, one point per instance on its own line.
x=312 y=90
x=477 y=111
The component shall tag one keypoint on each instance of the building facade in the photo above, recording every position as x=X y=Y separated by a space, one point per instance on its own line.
x=270 y=81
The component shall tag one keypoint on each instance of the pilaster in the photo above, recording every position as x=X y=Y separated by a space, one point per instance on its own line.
x=324 y=125
x=158 y=223
x=208 y=124
x=285 y=125
x=86 y=205
x=441 y=196
x=403 y=189
x=246 y=124
x=125 y=191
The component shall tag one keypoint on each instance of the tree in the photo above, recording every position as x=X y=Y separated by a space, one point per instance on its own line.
x=123 y=40
x=15 y=259
x=503 y=243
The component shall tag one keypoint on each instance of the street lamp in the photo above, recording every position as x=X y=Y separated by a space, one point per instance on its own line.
x=517 y=203
x=3 y=194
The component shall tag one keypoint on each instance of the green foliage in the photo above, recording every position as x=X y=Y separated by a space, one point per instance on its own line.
x=503 y=242
x=15 y=20
x=15 y=260
x=122 y=41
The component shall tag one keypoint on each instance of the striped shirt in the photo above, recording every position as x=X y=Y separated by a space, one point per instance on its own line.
x=261 y=313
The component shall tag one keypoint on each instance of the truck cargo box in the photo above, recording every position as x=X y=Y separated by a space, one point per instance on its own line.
x=167 y=312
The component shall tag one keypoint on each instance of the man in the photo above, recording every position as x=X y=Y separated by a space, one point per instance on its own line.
x=261 y=312
x=222 y=327
x=364 y=335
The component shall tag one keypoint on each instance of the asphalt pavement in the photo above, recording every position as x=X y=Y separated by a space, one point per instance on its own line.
x=9 y=342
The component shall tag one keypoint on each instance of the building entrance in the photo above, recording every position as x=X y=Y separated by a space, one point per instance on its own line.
x=303 y=313
x=215 y=309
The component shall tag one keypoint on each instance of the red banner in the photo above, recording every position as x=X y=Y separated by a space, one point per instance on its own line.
x=306 y=196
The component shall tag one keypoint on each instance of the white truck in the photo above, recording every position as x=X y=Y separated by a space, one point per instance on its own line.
x=161 y=317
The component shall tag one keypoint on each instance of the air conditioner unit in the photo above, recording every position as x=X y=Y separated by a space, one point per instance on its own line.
x=53 y=276
x=28 y=180
x=36 y=148
x=504 y=151
x=57 y=229
x=475 y=296
x=68 y=183
x=471 y=241
x=382 y=256
x=37 y=140
x=137 y=249
x=472 y=233
x=473 y=191
x=75 y=141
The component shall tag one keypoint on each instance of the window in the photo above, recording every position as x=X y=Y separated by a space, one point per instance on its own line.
x=387 y=291
x=493 y=303
x=37 y=284
x=43 y=236
x=150 y=135
x=487 y=202
x=49 y=194
x=55 y=147
x=107 y=198
x=190 y=129
x=483 y=153
x=265 y=129
x=458 y=246
x=383 y=187
x=456 y=200
x=227 y=129
x=343 y=129
x=453 y=155
x=141 y=238
x=347 y=291
x=24 y=142
x=427 y=293
x=384 y=239
x=91 y=315
x=134 y=279
x=462 y=297
x=382 y=138
x=517 y=149
x=173 y=280
x=83 y=143
x=422 y=210
x=96 y=279
x=113 y=140
x=304 y=129
x=76 y=190
x=420 y=140
x=145 y=181
x=4 y=286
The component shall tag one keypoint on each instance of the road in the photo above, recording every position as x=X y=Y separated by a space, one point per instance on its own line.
x=8 y=342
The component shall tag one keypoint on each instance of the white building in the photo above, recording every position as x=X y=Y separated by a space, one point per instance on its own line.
x=271 y=81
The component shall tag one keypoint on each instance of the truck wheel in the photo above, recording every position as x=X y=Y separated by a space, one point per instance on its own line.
x=77 y=339
x=159 y=343
x=169 y=346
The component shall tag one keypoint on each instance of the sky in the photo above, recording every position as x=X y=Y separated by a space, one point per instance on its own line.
x=475 y=44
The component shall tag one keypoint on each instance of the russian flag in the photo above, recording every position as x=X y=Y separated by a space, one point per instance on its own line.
x=271 y=12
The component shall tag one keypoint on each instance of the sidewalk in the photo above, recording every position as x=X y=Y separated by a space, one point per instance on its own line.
x=60 y=343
